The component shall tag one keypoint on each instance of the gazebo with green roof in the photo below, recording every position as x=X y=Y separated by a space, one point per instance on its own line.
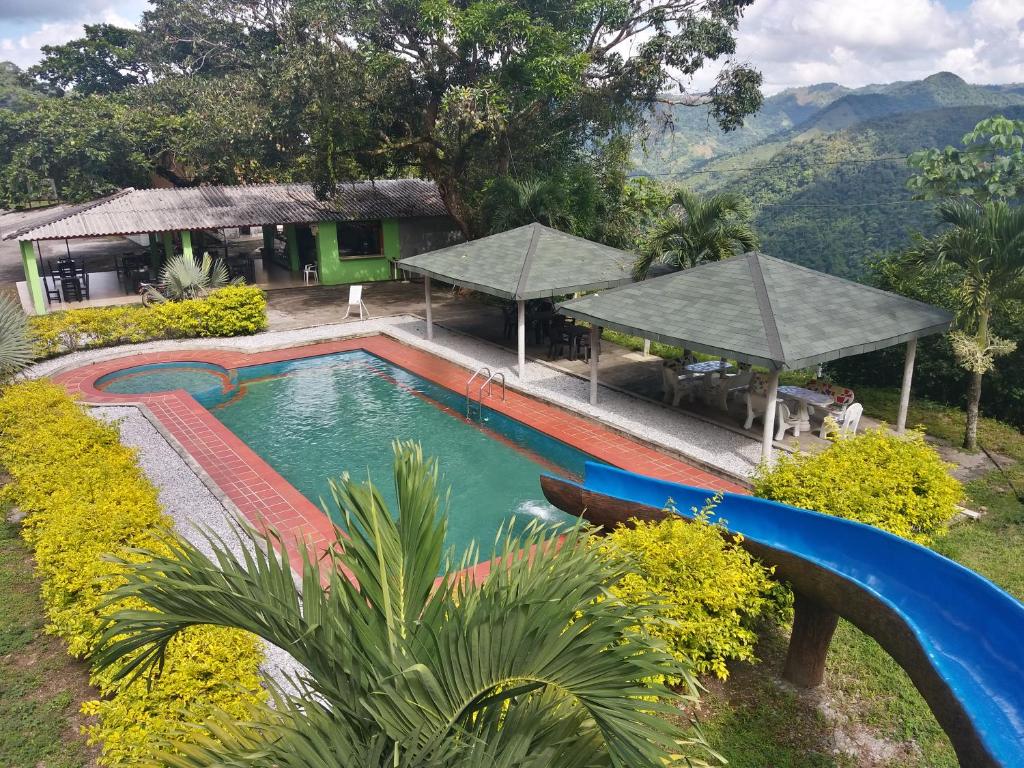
x=764 y=311
x=529 y=262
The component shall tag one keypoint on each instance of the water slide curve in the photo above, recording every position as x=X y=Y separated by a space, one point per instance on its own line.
x=959 y=636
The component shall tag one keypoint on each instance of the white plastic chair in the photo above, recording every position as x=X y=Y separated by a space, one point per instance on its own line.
x=786 y=420
x=309 y=273
x=717 y=391
x=847 y=422
x=355 y=299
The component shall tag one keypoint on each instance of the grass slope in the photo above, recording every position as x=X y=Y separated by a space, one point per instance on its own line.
x=41 y=687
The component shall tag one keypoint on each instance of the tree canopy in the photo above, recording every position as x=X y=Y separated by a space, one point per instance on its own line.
x=465 y=93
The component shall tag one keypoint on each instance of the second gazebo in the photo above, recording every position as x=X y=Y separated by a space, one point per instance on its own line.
x=530 y=262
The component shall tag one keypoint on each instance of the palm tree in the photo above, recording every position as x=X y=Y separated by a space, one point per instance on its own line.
x=566 y=201
x=696 y=229
x=984 y=248
x=182 y=277
x=15 y=344
x=535 y=665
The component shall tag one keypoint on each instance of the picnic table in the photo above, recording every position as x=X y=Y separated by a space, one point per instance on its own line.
x=805 y=398
x=708 y=366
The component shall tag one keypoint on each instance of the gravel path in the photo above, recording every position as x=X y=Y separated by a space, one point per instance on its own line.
x=675 y=430
x=191 y=505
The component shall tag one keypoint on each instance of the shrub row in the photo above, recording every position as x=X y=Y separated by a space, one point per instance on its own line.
x=85 y=499
x=897 y=483
x=710 y=592
x=237 y=310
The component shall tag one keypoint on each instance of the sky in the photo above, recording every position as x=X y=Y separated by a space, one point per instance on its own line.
x=792 y=42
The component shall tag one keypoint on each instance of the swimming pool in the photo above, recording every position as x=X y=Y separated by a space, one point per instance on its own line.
x=313 y=418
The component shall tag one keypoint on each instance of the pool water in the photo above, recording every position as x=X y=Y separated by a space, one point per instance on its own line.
x=314 y=418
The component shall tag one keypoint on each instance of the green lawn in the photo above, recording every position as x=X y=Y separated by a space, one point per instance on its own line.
x=40 y=686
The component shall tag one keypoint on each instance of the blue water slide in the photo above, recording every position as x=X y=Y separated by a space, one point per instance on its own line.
x=958 y=635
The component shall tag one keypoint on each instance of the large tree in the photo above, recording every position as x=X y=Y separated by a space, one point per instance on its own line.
x=470 y=91
x=108 y=59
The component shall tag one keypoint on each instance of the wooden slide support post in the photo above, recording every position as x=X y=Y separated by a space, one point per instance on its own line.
x=813 y=627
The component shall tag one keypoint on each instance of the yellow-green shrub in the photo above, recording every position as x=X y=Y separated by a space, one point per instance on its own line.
x=85 y=498
x=237 y=310
x=708 y=589
x=897 y=483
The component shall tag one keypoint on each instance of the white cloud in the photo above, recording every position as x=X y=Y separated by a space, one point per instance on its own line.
x=24 y=50
x=800 y=42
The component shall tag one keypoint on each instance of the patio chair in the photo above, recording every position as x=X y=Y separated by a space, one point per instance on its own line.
x=718 y=391
x=309 y=273
x=786 y=420
x=848 y=424
x=757 y=399
x=355 y=299
x=677 y=383
x=842 y=399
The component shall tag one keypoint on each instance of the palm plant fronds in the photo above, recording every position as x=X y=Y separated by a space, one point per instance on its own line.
x=537 y=664
x=182 y=277
x=15 y=343
x=697 y=229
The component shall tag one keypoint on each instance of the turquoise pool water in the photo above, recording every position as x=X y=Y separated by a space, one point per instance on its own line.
x=314 y=418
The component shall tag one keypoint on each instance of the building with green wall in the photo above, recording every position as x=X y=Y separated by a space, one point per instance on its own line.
x=354 y=236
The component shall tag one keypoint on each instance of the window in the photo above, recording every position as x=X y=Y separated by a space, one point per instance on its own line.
x=359 y=238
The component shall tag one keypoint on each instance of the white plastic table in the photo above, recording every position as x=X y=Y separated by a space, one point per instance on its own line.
x=804 y=399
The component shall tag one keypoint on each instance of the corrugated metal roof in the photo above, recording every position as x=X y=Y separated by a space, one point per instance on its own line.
x=138 y=211
x=762 y=310
x=529 y=262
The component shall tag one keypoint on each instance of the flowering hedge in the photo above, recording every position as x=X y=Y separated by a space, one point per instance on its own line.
x=237 y=310
x=897 y=483
x=85 y=499
x=710 y=591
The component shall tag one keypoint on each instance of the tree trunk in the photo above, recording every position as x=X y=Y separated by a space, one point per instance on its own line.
x=974 y=389
x=973 y=409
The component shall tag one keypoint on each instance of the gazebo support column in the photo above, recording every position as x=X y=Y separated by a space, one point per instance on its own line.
x=647 y=347
x=430 y=310
x=595 y=339
x=521 y=336
x=33 y=281
x=186 y=243
x=168 y=245
x=771 y=399
x=908 y=375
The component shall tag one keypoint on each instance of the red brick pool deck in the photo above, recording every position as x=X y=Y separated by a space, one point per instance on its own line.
x=265 y=498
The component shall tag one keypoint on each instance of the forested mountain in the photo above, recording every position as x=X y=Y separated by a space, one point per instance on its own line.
x=823 y=197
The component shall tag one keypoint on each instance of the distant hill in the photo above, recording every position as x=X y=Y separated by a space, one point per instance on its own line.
x=823 y=199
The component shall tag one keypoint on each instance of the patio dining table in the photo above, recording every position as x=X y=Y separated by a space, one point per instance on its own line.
x=805 y=398
x=708 y=366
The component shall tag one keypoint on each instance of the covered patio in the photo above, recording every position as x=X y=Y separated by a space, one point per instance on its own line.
x=521 y=265
x=271 y=235
x=765 y=312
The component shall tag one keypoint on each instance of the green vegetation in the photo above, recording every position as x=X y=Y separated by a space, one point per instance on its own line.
x=695 y=229
x=534 y=664
x=237 y=310
x=184 y=277
x=707 y=592
x=821 y=196
x=896 y=483
x=40 y=686
x=84 y=498
x=15 y=345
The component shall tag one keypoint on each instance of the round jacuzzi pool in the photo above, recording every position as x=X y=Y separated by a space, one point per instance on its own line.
x=204 y=381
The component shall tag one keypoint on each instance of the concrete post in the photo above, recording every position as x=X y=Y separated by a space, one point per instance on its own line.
x=390 y=244
x=908 y=375
x=768 y=436
x=595 y=339
x=154 y=253
x=292 y=239
x=186 y=243
x=328 y=253
x=813 y=627
x=168 y=245
x=521 y=336
x=647 y=347
x=33 y=280
x=430 y=312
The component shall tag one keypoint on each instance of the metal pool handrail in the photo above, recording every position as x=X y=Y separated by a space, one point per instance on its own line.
x=478 y=372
